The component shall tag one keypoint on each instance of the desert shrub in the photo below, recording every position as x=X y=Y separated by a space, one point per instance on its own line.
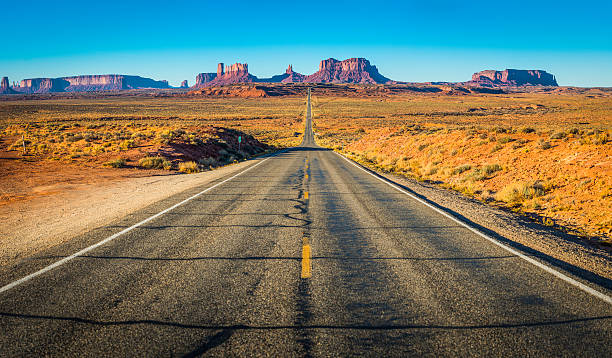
x=558 y=135
x=460 y=169
x=477 y=175
x=73 y=138
x=491 y=168
x=188 y=167
x=574 y=131
x=544 y=144
x=496 y=148
x=423 y=146
x=601 y=138
x=127 y=144
x=518 y=192
x=155 y=163
x=483 y=136
x=528 y=130
x=504 y=140
x=501 y=130
x=117 y=163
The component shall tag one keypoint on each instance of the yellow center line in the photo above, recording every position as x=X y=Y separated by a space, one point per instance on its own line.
x=306 y=176
x=306 y=269
x=305 y=195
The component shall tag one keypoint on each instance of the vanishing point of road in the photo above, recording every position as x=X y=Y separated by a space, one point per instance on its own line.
x=302 y=254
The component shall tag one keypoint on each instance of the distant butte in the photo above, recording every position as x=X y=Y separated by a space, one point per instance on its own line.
x=510 y=77
x=88 y=83
x=353 y=70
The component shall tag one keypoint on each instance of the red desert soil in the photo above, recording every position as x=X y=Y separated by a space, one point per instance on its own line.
x=46 y=203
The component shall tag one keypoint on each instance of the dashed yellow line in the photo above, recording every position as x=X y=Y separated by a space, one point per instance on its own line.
x=305 y=195
x=306 y=268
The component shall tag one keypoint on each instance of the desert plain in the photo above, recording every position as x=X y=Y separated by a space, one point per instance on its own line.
x=542 y=154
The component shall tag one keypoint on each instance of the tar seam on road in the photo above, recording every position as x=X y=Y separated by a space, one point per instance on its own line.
x=112 y=237
x=546 y=268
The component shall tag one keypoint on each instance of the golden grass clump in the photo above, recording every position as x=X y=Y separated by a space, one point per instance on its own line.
x=155 y=163
x=188 y=167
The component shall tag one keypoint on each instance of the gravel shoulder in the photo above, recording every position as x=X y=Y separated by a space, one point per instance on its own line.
x=543 y=241
x=40 y=222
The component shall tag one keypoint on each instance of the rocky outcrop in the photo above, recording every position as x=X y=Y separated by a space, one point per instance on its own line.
x=236 y=73
x=5 y=87
x=185 y=84
x=511 y=77
x=353 y=70
x=42 y=85
x=87 y=83
x=203 y=78
x=292 y=76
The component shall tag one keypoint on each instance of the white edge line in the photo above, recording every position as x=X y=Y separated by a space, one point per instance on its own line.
x=114 y=236
x=546 y=268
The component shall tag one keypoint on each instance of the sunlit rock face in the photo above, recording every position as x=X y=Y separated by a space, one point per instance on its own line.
x=510 y=77
x=87 y=83
x=353 y=70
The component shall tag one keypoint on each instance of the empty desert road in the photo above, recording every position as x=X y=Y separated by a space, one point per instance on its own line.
x=303 y=254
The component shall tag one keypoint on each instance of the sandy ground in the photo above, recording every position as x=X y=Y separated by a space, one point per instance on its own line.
x=41 y=209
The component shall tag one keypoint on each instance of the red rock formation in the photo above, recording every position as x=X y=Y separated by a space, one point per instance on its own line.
x=203 y=78
x=510 y=77
x=185 y=84
x=292 y=76
x=236 y=73
x=353 y=70
x=5 y=87
x=86 y=83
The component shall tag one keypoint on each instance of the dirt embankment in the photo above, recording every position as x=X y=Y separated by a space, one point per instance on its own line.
x=52 y=202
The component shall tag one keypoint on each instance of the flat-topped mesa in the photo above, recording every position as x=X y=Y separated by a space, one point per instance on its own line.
x=236 y=73
x=352 y=70
x=87 y=83
x=511 y=77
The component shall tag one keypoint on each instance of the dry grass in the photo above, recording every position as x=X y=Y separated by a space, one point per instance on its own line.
x=547 y=154
x=188 y=167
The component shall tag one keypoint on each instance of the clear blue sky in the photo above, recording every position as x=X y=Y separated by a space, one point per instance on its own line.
x=426 y=40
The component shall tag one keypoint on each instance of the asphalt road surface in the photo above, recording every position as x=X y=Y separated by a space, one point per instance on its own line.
x=305 y=254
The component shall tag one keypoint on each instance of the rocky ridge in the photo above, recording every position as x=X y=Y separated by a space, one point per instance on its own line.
x=353 y=70
x=512 y=77
x=87 y=83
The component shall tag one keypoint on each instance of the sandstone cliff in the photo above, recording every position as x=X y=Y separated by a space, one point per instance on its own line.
x=353 y=70
x=236 y=73
x=185 y=84
x=5 y=87
x=86 y=83
x=510 y=77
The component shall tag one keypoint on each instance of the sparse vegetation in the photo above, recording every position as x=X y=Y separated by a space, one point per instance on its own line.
x=117 y=163
x=188 y=167
x=155 y=163
x=549 y=143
